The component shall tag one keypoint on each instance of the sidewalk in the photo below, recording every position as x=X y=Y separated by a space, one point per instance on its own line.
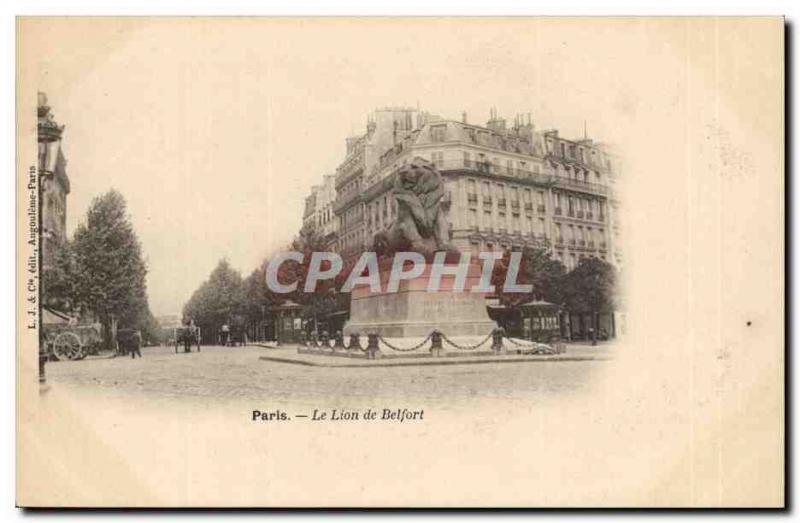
x=341 y=358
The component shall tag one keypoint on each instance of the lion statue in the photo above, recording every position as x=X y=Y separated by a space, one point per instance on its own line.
x=420 y=224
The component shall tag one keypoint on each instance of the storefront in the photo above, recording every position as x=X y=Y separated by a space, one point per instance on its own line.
x=541 y=321
x=536 y=320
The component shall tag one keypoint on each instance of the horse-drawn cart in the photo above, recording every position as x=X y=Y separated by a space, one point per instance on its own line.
x=72 y=342
x=187 y=336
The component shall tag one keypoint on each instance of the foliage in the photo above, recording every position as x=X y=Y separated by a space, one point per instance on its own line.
x=536 y=268
x=103 y=272
x=258 y=298
x=591 y=287
x=219 y=300
x=326 y=297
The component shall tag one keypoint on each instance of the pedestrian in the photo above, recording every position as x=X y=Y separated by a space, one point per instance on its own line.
x=136 y=345
x=225 y=334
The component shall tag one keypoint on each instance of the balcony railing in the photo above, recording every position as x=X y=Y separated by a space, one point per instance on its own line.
x=540 y=208
x=589 y=215
x=557 y=211
x=590 y=244
x=487 y=201
x=581 y=243
x=572 y=183
x=472 y=199
x=501 y=202
x=485 y=167
x=560 y=241
x=528 y=206
x=572 y=242
x=580 y=214
x=515 y=204
x=571 y=214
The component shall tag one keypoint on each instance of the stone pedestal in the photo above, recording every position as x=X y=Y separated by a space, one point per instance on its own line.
x=414 y=312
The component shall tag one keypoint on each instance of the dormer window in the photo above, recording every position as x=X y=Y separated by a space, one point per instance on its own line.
x=438 y=133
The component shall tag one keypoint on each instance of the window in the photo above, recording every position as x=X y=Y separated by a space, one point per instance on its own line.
x=467 y=160
x=509 y=167
x=563 y=150
x=542 y=228
x=473 y=218
x=437 y=159
x=438 y=133
x=475 y=247
x=487 y=220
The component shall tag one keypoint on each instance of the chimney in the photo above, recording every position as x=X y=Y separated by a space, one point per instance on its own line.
x=495 y=124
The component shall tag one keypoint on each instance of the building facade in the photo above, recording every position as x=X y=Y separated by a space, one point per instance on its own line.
x=508 y=186
x=318 y=215
x=385 y=128
x=54 y=185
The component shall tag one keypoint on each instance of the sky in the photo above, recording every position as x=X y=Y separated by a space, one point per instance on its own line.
x=215 y=130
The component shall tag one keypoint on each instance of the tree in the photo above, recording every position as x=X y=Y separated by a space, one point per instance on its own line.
x=326 y=297
x=591 y=288
x=109 y=272
x=219 y=300
x=258 y=298
x=536 y=268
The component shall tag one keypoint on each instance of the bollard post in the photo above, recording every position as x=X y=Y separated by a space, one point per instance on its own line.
x=355 y=342
x=372 y=346
x=338 y=340
x=497 y=339
x=436 y=344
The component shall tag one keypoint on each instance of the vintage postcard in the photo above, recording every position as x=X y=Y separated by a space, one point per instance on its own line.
x=400 y=262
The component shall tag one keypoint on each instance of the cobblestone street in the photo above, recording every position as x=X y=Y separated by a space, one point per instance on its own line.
x=239 y=374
